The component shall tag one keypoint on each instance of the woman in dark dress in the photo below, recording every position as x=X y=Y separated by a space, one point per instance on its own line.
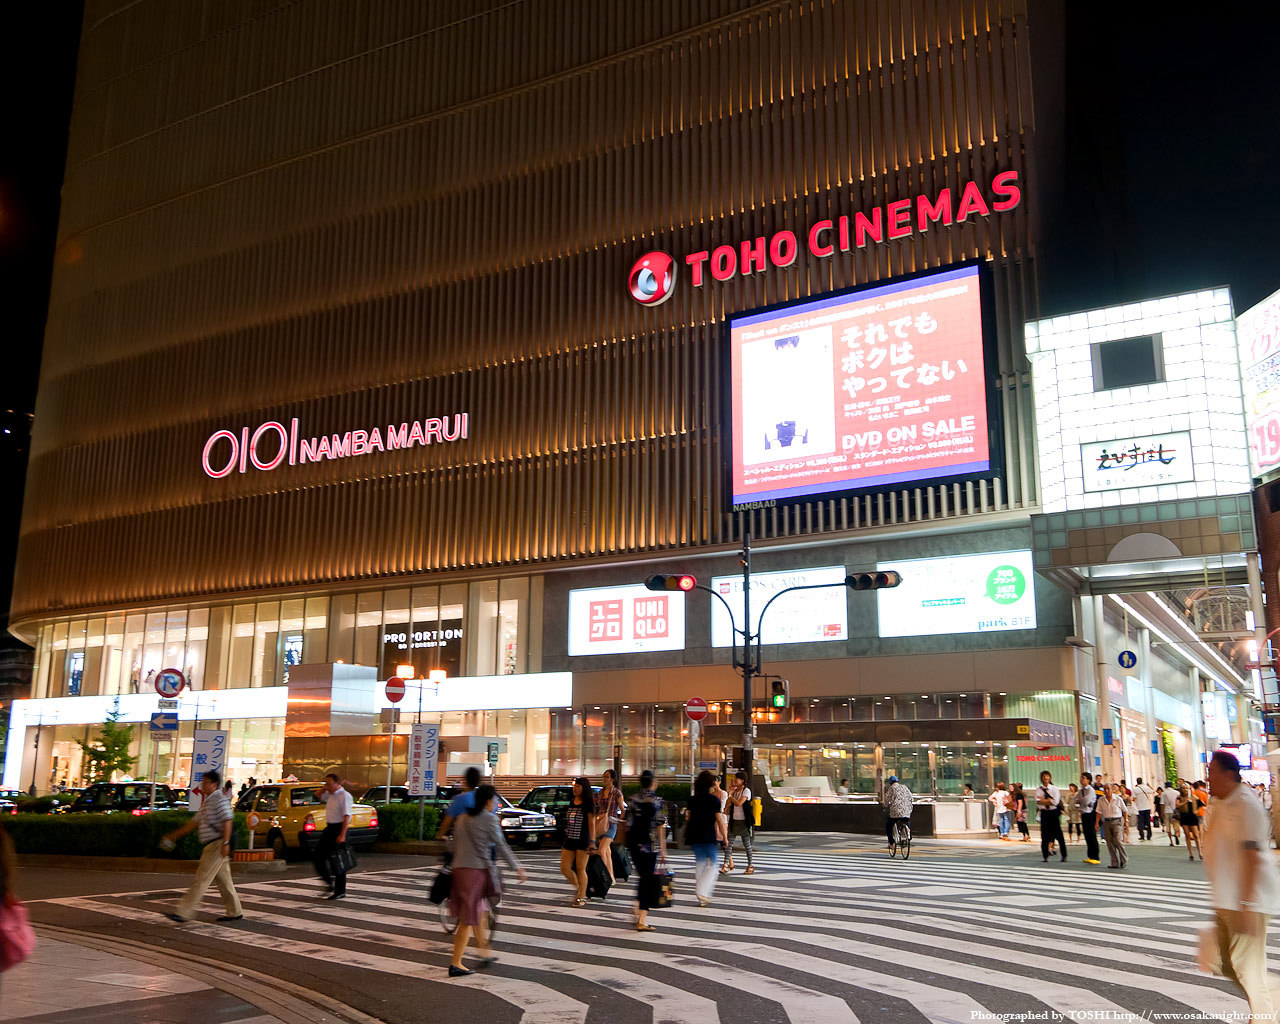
x=647 y=843
x=700 y=834
x=579 y=839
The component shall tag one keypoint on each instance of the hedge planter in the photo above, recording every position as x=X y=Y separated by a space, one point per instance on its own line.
x=109 y=835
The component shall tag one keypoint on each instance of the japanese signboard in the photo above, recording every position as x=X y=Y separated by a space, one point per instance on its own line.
x=208 y=753
x=1137 y=461
x=881 y=386
x=424 y=752
x=625 y=620
x=1258 y=340
x=959 y=594
x=802 y=617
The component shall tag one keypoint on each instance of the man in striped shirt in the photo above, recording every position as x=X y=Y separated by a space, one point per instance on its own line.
x=214 y=820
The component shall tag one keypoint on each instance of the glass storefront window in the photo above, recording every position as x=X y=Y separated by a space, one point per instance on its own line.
x=342 y=628
x=565 y=729
x=513 y=625
x=315 y=627
x=397 y=627
x=369 y=629
x=241 y=671
x=196 y=661
x=482 y=629
x=266 y=643
x=292 y=636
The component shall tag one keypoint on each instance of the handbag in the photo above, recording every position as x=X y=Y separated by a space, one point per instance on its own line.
x=493 y=886
x=342 y=860
x=17 y=938
x=442 y=886
x=666 y=889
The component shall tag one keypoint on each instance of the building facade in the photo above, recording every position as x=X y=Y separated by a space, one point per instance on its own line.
x=396 y=335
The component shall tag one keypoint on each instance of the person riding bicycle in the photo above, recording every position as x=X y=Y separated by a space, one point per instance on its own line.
x=897 y=801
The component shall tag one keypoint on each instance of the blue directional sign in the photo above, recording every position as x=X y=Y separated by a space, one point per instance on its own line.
x=1127 y=659
x=164 y=721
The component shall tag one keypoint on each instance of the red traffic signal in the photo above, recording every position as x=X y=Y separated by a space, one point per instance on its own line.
x=872 y=580
x=675 y=582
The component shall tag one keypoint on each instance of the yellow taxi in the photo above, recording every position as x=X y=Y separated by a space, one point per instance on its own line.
x=288 y=817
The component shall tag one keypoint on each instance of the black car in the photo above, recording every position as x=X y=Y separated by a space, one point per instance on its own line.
x=126 y=798
x=556 y=800
x=520 y=827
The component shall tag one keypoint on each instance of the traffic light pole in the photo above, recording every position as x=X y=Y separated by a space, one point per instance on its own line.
x=748 y=655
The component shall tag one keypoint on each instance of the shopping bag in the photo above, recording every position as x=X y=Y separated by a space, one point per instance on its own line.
x=342 y=860
x=621 y=862
x=441 y=887
x=598 y=880
x=666 y=889
x=17 y=938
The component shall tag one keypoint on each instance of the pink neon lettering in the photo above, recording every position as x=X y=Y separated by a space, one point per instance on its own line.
x=375 y=439
x=814 y=246
x=695 y=261
x=783 y=248
x=416 y=436
x=358 y=439
x=397 y=437
x=1006 y=184
x=293 y=441
x=971 y=200
x=459 y=427
x=341 y=445
x=899 y=218
x=214 y=438
x=310 y=451
x=724 y=262
x=280 y=454
x=433 y=427
x=753 y=256
x=864 y=228
x=323 y=451
x=844 y=233
x=244 y=448
x=929 y=213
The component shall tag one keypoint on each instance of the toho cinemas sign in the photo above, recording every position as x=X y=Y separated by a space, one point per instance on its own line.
x=653 y=276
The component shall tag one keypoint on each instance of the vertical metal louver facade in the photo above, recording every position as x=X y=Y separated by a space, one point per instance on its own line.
x=364 y=213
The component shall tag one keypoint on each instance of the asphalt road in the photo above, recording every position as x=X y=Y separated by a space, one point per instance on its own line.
x=829 y=930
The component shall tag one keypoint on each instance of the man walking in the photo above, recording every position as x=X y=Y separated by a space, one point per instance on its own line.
x=1049 y=801
x=1111 y=809
x=214 y=820
x=1243 y=883
x=1143 y=795
x=337 y=816
x=1087 y=801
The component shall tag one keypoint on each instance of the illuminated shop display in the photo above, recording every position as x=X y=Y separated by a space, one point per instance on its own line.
x=1156 y=385
x=1258 y=337
x=875 y=387
x=624 y=620
x=959 y=594
x=806 y=616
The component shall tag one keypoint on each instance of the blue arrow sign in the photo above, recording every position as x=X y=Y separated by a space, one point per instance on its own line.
x=164 y=721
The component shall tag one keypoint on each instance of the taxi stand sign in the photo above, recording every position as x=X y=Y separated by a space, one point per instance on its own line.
x=424 y=752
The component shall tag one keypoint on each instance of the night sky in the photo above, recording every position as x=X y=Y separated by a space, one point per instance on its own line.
x=1170 y=138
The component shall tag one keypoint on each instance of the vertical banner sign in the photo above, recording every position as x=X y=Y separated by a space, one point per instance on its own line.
x=424 y=752
x=208 y=754
x=1258 y=340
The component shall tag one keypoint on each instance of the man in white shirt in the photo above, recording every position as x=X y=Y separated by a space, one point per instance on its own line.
x=1087 y=802
x=214 y=820
x=337 y=816
x=1112 y=812
x=1049 y=802
x=1243 y=883
x=1142 y=803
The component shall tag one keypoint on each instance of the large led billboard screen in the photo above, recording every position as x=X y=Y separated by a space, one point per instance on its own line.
x=876 y=387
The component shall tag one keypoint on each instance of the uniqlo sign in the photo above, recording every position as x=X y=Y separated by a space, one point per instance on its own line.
x=624 y=620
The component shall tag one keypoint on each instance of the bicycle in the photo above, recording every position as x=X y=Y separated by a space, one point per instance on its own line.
x=901 y=840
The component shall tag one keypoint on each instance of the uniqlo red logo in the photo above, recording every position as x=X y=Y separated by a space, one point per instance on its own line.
x=831 y=629
x=651 y=619
x=606 y=620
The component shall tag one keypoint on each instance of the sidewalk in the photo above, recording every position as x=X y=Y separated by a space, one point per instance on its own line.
x=64 y=983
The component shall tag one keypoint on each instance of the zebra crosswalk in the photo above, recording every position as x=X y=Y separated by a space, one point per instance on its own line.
x=823 y=933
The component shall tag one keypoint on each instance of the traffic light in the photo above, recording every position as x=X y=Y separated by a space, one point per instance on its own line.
x=779 y=693
x=872 y=580
x=677 y=582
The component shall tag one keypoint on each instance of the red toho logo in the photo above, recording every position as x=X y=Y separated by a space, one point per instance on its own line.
x=653 y=277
